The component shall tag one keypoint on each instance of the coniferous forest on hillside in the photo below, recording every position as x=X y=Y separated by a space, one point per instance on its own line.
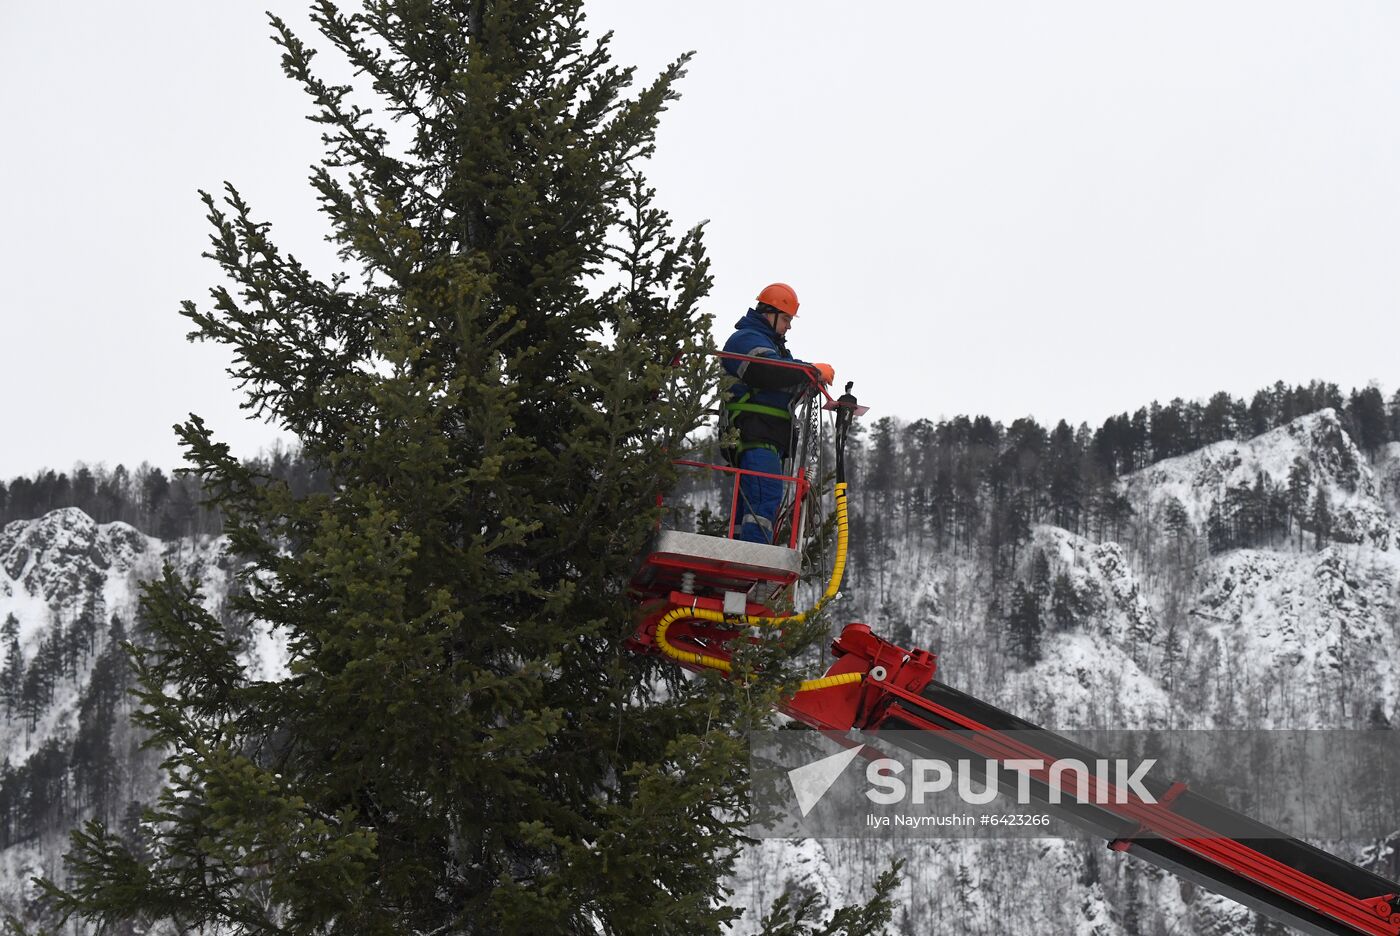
x=966 y=480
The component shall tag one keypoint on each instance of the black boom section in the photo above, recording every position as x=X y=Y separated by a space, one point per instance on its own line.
x=1277 y=907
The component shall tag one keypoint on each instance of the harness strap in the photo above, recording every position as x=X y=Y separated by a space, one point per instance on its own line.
x=741 y=407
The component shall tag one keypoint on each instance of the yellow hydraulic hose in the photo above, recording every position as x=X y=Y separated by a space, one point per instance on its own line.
x=833 y=587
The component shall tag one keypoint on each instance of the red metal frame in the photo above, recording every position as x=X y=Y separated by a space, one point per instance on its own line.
x=800 y=480
x=895 y=674
x=831 y=402
x=779 y=362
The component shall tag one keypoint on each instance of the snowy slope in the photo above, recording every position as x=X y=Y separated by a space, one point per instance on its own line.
x=1387 y=472
x=1200 y=479
x=50 y=570
x=1307 y=637
x=55 y=572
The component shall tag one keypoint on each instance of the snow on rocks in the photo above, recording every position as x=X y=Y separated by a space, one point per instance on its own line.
x=1108 y=598
x=1082 y=683
x=1200 y=479
x=1387 y=472
x=56 y=567
x=1313 y=633
x=774 y=867
x=64 y=567
x=53 y=556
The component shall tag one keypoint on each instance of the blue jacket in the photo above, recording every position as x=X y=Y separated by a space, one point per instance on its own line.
x=760 y=391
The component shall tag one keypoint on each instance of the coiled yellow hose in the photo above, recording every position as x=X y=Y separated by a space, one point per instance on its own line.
x=833 y=587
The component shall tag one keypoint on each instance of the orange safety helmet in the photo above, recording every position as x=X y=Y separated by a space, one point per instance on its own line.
x=780 y=296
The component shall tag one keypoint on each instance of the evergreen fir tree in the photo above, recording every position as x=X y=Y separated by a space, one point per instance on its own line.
x=1299 y=487
x=1320 y=519
x=1259 y=501
x=1171 y=655
x=1040 y=576
x=116 y=630
x=1218 y=536
x=33 y=695
x=1132 y=904
x=965 y=887
x=1177 y=524
x=1138 y=440
x=884 y=458
x=1216 y=419
x=463 y=744
x=1064 y=604
x=1090 y=873
x=1366 y=417
x=12 y=674
x=95 y=766
x=1025 y=625
x=1066 y=480
x=89 y=623
x=1263 y=412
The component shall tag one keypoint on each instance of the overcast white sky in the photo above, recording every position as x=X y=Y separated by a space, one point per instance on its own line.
x=1063 y=210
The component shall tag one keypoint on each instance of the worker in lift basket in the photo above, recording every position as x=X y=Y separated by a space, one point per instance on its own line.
x=761 y=405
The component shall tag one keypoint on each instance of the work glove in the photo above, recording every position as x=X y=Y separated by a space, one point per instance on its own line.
x=826 y=373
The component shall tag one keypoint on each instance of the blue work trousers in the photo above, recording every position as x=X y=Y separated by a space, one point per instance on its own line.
x=759 y=498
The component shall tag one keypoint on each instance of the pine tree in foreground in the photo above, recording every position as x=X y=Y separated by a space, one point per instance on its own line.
x=463 y=745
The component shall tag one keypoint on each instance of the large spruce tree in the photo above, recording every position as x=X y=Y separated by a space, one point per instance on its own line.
x=494 y=387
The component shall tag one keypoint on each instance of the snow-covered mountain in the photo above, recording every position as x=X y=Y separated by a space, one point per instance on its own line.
x=1316 y=442
x=69 y=590
x=1151 y=628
